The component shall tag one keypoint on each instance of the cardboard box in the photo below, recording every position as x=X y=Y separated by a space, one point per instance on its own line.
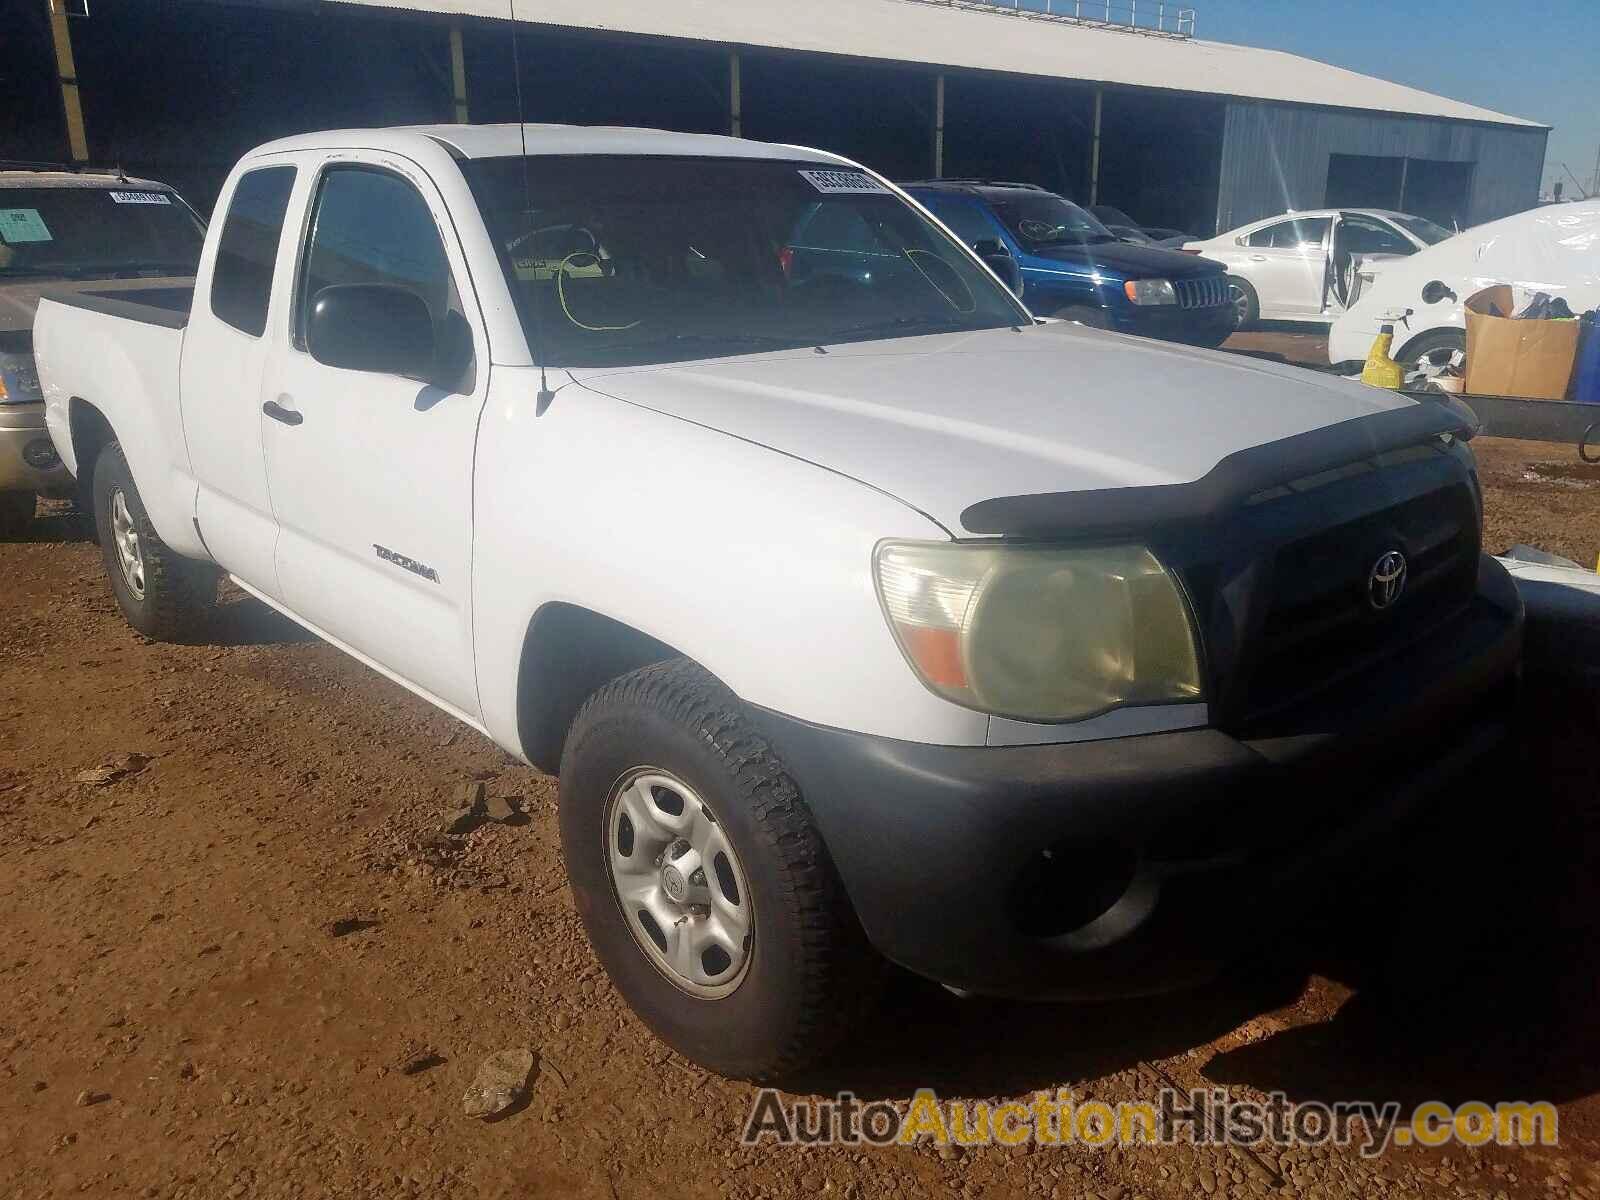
x=1532 y=360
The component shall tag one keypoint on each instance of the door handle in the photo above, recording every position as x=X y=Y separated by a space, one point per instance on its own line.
x=279 y=413
x=1258 y=258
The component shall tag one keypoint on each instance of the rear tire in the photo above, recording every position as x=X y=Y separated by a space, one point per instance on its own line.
x=16 y=514
x=1246 y=304
x=1453 y=340
x=666 y=752
x=162 y=594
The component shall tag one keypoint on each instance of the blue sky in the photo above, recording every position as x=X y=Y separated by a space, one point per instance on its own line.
x=1539 y=61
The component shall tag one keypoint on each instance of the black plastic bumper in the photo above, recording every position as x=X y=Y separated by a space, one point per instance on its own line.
x=1141 y=864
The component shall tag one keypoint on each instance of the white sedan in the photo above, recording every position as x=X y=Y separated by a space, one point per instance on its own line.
x=1305 y=266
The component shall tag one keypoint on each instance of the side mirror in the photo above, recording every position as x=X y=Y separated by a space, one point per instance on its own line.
x=372 y=327
x=994 y=252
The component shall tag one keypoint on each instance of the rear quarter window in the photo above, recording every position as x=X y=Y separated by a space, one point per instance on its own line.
x=247 y=252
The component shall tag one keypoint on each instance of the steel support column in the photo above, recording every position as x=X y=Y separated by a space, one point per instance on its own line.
x=67 y=74
x=938 y=127
x=735 y=94
x=458 y=74
x=1094 y=148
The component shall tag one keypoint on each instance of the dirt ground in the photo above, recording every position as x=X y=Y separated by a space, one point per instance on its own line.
x=244 y=963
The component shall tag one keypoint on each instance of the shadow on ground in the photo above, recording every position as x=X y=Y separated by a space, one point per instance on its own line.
x=1473 y=950
x=242 y=620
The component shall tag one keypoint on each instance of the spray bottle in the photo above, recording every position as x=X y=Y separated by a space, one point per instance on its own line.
x=1381 y=369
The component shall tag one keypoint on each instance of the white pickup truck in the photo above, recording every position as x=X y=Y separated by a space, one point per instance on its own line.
x=855 y=608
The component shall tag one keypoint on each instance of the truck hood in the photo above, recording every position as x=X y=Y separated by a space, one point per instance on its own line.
x=945 y=422
x=19 y=298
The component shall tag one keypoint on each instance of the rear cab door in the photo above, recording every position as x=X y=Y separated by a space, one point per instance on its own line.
x=370 y=470
x=225 y=350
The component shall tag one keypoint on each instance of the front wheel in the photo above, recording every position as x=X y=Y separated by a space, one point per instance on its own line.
x=162 y=594
x=706 y=891
x=1246 y=304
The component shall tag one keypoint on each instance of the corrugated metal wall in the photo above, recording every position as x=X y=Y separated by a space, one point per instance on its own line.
x=1275 y=157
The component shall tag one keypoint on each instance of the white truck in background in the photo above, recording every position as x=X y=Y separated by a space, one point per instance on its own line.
x=856 y=609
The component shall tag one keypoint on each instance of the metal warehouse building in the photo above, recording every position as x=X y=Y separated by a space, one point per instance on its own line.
x=1115 y=103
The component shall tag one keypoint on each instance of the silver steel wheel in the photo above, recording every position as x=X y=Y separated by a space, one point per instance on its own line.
x=125 y=535
x=679 y=883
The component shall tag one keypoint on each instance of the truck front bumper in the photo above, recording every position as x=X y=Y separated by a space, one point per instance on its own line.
x=1137 y=865
x=28 y=459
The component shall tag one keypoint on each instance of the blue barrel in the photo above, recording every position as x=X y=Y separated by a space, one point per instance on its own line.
x=1586 y=378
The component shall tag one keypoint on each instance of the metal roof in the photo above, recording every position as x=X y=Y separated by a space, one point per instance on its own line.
x=950 y=34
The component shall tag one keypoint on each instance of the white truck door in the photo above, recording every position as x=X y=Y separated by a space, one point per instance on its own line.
x=225 y=348
x=369 y=459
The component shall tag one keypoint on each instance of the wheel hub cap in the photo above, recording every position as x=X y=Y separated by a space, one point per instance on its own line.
x=679 y=883
x=125 y=539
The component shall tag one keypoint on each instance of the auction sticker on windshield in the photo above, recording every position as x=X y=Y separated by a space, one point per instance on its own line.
x=855 y=183
x=19 y=226
x=140 y=198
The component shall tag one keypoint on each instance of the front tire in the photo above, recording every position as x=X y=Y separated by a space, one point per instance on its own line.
x=16 y=514
x=162 y=594
x=1246 y=304
x=749 y=960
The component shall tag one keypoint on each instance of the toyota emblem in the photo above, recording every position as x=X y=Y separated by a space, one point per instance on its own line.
x=1387 y=582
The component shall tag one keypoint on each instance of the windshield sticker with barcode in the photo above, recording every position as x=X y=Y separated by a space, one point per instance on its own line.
x=19 y=226
x=856 y=183
x=140 y=198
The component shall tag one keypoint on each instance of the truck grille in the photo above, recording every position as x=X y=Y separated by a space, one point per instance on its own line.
x=1207 y=292
x=1318 y=622
x=1286 y=612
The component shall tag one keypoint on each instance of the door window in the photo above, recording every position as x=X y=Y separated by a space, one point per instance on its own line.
x=1364 y=235
x=1306 y=233
x=372 y=226
x=241 y=281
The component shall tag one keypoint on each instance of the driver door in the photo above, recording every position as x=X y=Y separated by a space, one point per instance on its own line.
x=370 y=473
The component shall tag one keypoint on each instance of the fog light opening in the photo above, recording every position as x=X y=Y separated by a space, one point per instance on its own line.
x=1069 y=885
x=41 y=454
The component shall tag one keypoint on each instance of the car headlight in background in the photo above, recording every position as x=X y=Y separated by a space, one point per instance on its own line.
x=19 y=380
x=1150 y=291
x=1039 y=633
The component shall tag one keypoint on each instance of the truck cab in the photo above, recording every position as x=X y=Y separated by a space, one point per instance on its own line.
x=1072 y=266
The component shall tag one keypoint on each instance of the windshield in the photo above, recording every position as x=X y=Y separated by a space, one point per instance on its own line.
x=1039 y=219
x=1424 y=230
x=96 y=233
x=631 y=260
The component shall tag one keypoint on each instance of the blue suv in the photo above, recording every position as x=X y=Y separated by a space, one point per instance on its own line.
x=1070 y=265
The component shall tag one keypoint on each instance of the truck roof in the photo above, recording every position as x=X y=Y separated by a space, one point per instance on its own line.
x=505 y=141
x=46 y=177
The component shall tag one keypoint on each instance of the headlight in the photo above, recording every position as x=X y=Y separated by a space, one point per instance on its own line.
x=19 y=380
x=1150 y=291
x=1040 y=634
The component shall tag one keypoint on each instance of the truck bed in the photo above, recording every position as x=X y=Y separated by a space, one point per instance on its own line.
x=166 y=306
